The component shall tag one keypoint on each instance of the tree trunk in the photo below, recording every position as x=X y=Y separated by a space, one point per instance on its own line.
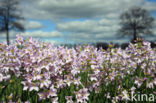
x=7 y=25
x=7 y=34
x=7 y=37
x=134 y=34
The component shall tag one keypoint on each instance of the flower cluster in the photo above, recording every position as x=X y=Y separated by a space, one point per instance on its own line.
x=47 y=70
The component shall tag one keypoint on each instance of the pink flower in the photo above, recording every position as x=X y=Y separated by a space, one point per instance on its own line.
x=19 y=39
x=52 y=92
x=42 y=95
x=54 y=100
x=45 y=82
x=27 y=102
x=108 y=95
x=34 y=86
x=82 y=95
x=77 y=81
x=138 y=82
x=60 y=83
x=1 y=77
x=154 y=81
x=68 y=81
x=133 y=89
x=125 y=95
x=150 y=85
x=36 y=76
x=69 y=99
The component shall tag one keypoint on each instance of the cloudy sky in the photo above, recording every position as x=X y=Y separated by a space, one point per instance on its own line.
x=77 y=21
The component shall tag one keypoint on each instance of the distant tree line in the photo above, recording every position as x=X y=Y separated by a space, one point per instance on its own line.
x=105 y=45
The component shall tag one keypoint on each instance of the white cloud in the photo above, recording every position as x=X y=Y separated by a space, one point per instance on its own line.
x=106 y=11
x=39 y=34
x=52 y=41
x=89 y=30
x=42 y=34
x=89 y=26
x=31 y=25
x=2 y=40
x=60 y=9
x=151 y=6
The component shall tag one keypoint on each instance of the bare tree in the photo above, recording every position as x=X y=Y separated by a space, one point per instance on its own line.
x=9 y=17
x=136 y=21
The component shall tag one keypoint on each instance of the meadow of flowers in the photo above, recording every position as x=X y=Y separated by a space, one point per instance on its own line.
x=32 y=71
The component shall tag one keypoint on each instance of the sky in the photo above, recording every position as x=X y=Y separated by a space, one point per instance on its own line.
x=77 y=21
